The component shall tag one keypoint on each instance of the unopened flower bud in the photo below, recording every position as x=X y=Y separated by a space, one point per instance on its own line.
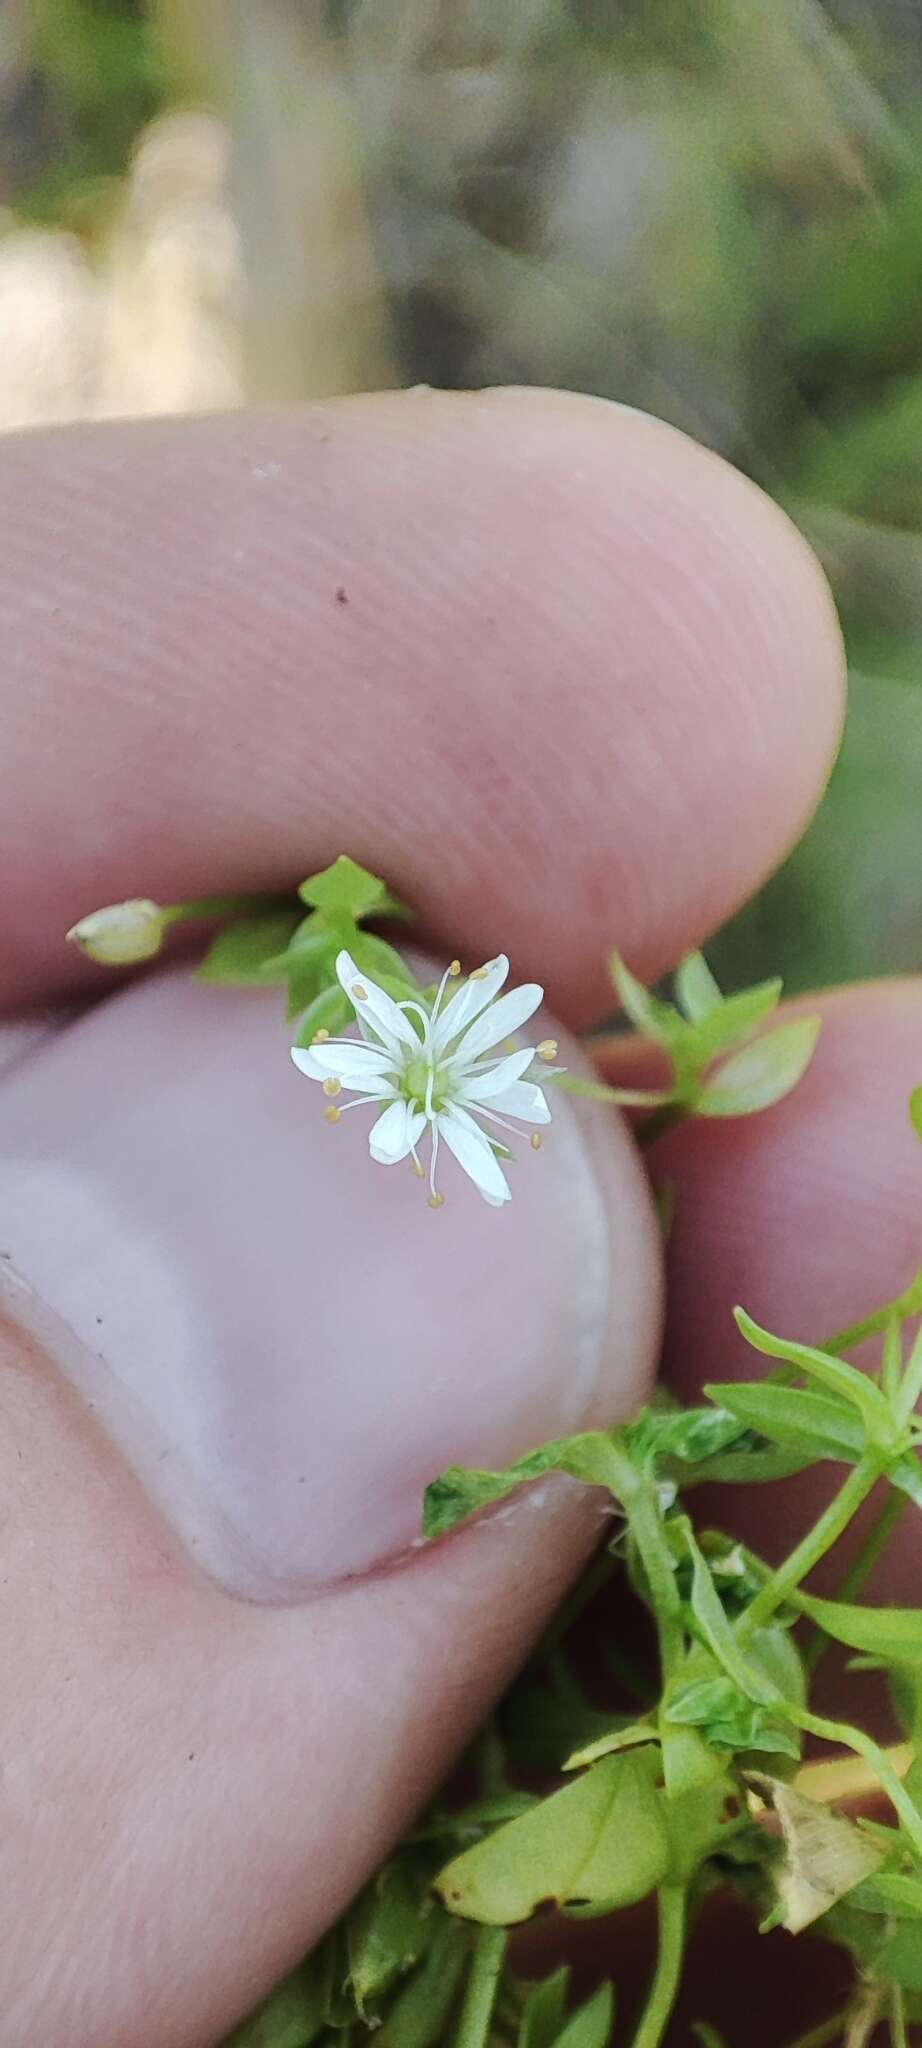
x=122 y=933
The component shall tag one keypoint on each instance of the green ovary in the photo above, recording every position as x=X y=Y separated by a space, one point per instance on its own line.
x=416 y=1082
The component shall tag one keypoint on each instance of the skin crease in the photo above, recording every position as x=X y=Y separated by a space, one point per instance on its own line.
x=639 y=695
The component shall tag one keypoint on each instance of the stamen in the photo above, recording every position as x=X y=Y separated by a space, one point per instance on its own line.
x=455 y=968
x=478 y=974
x=358 y=992
x=320 y=1037
x=436 y=1201
x=547 y=1050
x=418 y=1168
x=536 y=1141
x=432 y=1164
x=332 y=1086
x=332 y=1115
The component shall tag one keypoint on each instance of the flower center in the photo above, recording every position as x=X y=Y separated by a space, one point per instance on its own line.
x=417 y=1075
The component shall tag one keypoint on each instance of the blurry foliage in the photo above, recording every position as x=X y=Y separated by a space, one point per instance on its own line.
x=704 y=207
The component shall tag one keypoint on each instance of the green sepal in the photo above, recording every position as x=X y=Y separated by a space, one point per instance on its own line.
x=330 y=1011
x=760 y=1074
x=250 y=950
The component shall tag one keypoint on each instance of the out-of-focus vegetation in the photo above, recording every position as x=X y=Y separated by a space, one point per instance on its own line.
x=709 y=208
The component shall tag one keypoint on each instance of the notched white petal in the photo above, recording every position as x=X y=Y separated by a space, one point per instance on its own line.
x=470 y=1000
x=395 y=1133
x=492 y=1081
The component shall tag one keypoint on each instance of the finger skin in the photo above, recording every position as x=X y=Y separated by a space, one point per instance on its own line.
x=195 y=1786
x=564 y=677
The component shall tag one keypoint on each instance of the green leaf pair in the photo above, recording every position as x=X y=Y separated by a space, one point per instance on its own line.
x=704 y=1026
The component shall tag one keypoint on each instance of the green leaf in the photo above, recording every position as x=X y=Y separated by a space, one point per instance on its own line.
x=894 y=1634
x=906 y=1474
x=330 y=1011
x=591 y=2026
x=729 y=1720
x=459 y=1492
x=762 y=1073
x=815 y=1425
x=900 y=1959
x=294 y=2014
x=650 y=1016
x=543 y=2017
x=389 y=1928
x=707 y=2037
x=632 y=1737
x=915 y=1111
x=890 y=1893
x=347 y=888
x=598 y=1843
x=734 y=1019
x=719 y=1635
x=845 y=1380
x=247 y=951
x=420 y=2014
x=695 y=988
x=689 y=1434
x=383 y=963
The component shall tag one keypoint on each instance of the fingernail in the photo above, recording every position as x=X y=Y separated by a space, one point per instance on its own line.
x=281 y=1336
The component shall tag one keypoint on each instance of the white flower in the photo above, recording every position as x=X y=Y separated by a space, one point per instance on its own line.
x=436 y=1068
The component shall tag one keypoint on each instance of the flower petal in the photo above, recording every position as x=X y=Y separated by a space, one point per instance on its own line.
x=478 y=990
x=522 y=1099
x=491 y=1081
x=395 y=1133
x=475 y=1154
x=374 y=1006
x=354 y=1064
x=498 y=1022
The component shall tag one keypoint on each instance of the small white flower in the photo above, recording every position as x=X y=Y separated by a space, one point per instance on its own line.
x=436 y=1069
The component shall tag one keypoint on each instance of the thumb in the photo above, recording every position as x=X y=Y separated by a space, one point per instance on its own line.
x=237 y=1350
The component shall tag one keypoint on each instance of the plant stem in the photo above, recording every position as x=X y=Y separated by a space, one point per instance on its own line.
x=671 y=1909
x=482 y=1988
x=826 y=1532
x=228 y=906
x=873 y=1547
x=898 y=2035
x=662 y=1120
x=828 y=2030
x=846 y=1737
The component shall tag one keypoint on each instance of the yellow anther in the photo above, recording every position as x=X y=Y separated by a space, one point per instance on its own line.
x=455 y=968
x=332 y=1115
x=479 y=974
x=332 y=1085
x=436 y=1201
x=536 y=1141
x=419 y=1170
x=359 y=992
x=320 y=1037
x=547 y=1050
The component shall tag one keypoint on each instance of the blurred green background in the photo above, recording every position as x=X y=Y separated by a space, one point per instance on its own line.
x=708 y=208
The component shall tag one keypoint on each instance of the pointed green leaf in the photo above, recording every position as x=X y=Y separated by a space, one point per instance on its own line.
x=650 y=1016
x=853 y=1386
x=543 y=2017
x=384 y=964
x=728 y=1719
x=459 y=1492
x=719 y=1635
x=591 y=2026
x=247 y=951
x=600 y=1843
x=348 y=888
x=695 y=988
x=707 y=2037
x=889 y=1892
x=633 y=1737
x=900 y=1959
x=906 y=1474
x=735 y=1018
x=689 y=1434
x=389 y=1928
x=762 y=1073
x=816 y=1425
x=894 y=1634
